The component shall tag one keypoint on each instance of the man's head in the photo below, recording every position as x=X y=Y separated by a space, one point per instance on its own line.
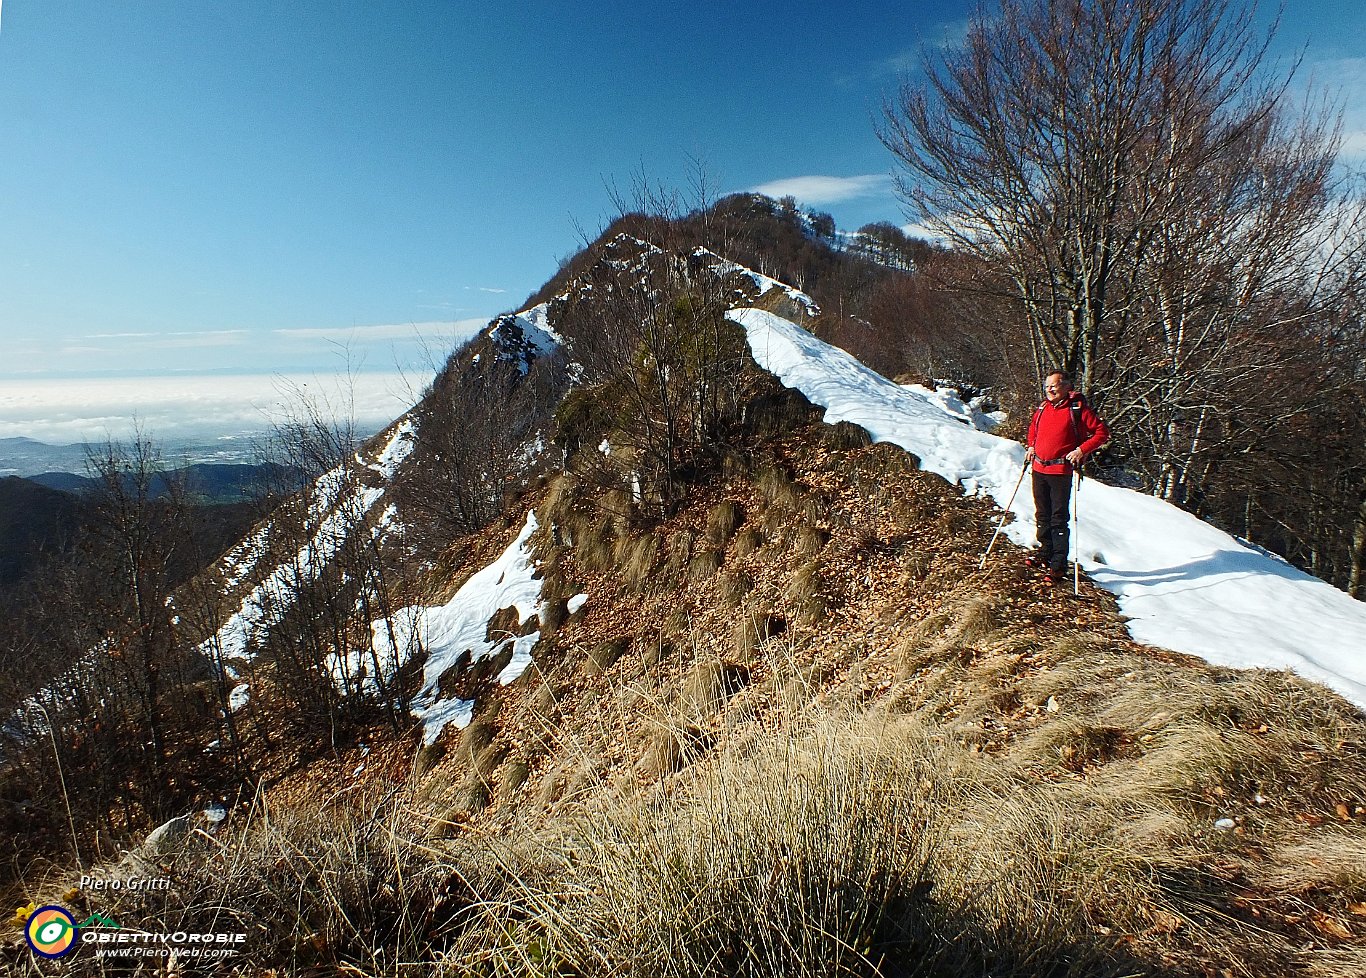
x=1056 y=386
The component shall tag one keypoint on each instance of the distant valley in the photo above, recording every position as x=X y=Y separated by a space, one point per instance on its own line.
x=43 y=489
x=27 y=457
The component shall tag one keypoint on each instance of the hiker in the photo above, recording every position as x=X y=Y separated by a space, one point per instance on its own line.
x=1063 y=431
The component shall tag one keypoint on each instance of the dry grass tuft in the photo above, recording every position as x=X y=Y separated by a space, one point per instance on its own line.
x=978 y=620
x=621 y=509
x=656 y=651
x=545 y=702
x=554 y=612
x=348 y=886
x=475 y=739
x=558 y=505
x=722 y=521
x=732 y=586
x=671 y=749
x=748 y=540
x=704 y=565
x=513 y=775
x=594 y=545
x=850 y=849
x=808 y=594
x=811 y=540
x=844 y=436
x=680 y=547
x=606 y=654
x=778 y=490
x=709 y=686
x=636 y=559
x=753 y=628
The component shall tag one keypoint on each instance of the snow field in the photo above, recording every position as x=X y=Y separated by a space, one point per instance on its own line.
x=1183 y=584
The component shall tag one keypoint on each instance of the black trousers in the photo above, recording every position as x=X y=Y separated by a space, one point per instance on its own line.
x=1052 y=513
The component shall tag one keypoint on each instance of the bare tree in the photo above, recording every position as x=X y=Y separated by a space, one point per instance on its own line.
x=1174 y=231
x=323 y=579
x=662 y=365
x=124 y=706
x=1064 y=135
x=477 y=430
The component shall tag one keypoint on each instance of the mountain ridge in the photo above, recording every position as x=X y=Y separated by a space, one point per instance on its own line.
x=766 y=632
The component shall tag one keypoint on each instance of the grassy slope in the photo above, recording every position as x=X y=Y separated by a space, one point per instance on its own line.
x=795 y=731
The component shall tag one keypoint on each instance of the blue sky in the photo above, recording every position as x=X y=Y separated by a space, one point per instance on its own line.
x=257 y=186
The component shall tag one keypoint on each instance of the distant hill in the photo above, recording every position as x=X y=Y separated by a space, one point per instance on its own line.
x=27 y=456
x=34 y=519
x=207 y=482
x=42 y=515
x=61 y=481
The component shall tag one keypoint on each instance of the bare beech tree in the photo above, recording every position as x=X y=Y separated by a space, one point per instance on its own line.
x=111 y=730
x=330 y=550
x=1239 y=281
x=477 y=431
x=1064 y=135
x=142 y=664
x=1176 y=233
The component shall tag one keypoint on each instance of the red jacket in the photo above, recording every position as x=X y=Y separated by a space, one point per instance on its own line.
x=1057 y=429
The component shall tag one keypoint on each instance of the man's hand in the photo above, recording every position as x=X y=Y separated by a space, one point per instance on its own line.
x=1074 y=457
x=1029 y=454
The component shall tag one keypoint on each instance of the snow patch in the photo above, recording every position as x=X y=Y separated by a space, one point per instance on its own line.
x=538 y=338
x=724 y=266
x=239 y=697
x=336 y=508
x=948 y=400
x=459 y=628
x=1184 y=584
x=399 y=447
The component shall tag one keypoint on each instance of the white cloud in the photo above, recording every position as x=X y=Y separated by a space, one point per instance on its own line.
x=1354 y=145
x=817 y=191
x=950 y=34
x=389 y=331
x=70 y=411
x=924 y=232
x=211 y=337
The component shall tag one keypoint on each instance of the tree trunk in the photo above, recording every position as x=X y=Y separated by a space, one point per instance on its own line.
x=1354 y=581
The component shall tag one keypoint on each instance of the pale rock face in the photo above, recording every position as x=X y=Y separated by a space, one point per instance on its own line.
x=167 y=836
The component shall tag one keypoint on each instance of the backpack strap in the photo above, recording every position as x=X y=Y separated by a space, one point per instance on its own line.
x=1075 y=409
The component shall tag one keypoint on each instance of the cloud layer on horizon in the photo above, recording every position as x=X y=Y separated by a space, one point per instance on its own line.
x=325 y=349
x=72 y=411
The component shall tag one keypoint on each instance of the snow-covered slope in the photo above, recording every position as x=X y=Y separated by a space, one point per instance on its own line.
x=339 y=504
x=459 y=628
x=1185 y=585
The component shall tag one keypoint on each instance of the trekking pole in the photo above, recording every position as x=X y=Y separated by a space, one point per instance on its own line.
x=1076 y=541
x=1002 y=523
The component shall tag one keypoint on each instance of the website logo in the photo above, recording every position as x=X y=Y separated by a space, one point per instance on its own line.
x=100 y=920
x=51 y=932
